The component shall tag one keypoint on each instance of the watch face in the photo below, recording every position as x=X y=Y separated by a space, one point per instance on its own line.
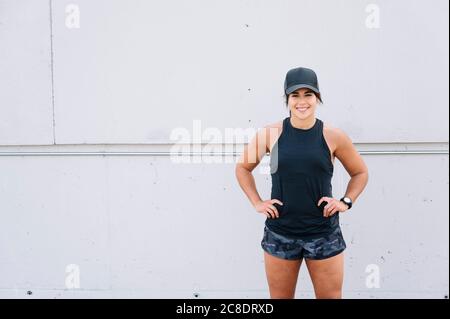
x=347 y=201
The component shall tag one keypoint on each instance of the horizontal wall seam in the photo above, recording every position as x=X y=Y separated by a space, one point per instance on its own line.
x=387 y=152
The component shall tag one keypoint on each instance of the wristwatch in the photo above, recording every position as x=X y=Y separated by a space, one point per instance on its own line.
x=347 y=201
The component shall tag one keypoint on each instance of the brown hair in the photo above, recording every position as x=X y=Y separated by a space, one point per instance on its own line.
x=286 y=97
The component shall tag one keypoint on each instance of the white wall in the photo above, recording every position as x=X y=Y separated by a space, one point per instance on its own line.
x=102 y=101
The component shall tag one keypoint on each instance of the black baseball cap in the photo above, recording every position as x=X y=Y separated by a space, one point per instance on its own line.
x=300 y=78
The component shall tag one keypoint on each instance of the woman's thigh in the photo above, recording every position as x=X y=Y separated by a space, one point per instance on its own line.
x=327 y=276
x=282 y=275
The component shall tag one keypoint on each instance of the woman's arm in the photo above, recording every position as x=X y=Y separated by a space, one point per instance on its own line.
x=249 y=159
x=353 y=163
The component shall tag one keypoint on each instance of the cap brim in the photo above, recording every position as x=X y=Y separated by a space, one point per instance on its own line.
x=301 y=86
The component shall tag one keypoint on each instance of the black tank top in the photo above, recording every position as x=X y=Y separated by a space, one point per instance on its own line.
x=301 y=170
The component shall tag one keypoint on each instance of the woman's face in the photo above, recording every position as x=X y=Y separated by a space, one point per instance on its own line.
x=303 y=103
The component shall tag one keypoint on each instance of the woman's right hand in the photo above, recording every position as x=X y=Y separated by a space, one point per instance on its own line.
x=267 y=208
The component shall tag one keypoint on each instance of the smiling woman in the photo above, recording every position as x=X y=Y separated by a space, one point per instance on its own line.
x=302 y=93
x=307 y=91
x=302 y=215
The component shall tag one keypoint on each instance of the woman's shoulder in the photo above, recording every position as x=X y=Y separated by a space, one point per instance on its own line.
x=329 y=127
x=334 y=134
x=333 y=130
x=274 y=129
x=273 y=132
x=278 y=124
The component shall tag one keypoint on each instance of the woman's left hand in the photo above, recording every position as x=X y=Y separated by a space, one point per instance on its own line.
x=333 y=206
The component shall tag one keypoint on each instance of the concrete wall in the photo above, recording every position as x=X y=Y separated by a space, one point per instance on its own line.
x=93 y=92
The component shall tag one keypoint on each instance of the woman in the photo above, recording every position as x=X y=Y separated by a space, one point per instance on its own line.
x=302 y=215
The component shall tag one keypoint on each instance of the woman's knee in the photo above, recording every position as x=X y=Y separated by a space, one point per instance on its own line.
x=329 y=294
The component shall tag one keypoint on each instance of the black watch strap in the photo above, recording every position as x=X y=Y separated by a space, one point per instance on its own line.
x=347 y=201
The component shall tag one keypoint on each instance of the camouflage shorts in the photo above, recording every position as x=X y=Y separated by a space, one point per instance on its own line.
x=317 y=248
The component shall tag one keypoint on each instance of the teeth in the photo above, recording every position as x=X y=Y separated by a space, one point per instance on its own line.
x=302 y=109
